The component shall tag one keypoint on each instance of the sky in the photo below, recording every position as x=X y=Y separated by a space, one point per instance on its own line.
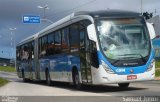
x=12 y=11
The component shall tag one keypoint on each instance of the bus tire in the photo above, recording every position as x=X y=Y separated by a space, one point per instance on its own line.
x=48 y=78
x=76 y=80
x=23 y=76
x=123 y=85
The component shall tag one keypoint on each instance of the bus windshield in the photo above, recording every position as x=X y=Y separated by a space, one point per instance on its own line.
x=124 y=39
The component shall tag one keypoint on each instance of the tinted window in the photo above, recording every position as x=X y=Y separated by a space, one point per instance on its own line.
x=50 y=49
x=57 y=42
x=74 y=38
x=39 y=47
x=43 y=46
x=51 y=38
x=18 y=53
x=65 y=40
x=25 y=54
x=32 y=49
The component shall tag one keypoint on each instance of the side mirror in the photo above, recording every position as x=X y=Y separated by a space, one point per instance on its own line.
x=92 y=32
x=151 y=30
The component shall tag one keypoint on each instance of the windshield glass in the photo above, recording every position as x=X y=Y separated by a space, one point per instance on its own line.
x=123 y=39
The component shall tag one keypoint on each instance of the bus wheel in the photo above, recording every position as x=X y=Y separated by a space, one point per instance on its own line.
x=76 y=80
x=123 y=85
x=23 y=76
x=48 y=78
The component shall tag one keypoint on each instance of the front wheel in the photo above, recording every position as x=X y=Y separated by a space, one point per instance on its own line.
x=123 y=85
x=76 y=80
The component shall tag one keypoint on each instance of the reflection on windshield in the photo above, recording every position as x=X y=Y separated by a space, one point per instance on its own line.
x=123 y=40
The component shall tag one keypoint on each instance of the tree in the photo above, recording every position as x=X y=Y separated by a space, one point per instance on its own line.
x=147 y=15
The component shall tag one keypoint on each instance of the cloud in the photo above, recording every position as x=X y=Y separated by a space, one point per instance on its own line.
x=13 y=10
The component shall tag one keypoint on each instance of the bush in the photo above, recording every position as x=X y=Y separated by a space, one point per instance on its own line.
x=157 y=65
x=157 y=74
x=3 y=82
x=7 y=69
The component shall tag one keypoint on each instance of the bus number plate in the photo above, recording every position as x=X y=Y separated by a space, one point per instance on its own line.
x=131 y=77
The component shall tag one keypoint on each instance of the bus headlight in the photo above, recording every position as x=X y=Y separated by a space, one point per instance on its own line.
x=151 y=65
x=106 y=68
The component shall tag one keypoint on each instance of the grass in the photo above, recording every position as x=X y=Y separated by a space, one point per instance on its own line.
x=3 y=82
x=157 y=64
x=7 y=69
x=157 y=74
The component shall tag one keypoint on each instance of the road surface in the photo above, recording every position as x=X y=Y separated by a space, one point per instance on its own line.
x=38 y=88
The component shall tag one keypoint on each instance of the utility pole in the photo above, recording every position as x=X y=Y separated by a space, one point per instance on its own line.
x=155 y=12
x=13 y=44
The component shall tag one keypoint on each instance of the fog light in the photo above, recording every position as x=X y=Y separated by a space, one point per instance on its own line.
x=151 y=65
x=106 y=68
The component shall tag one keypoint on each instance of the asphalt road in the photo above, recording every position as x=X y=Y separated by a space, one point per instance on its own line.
x=38 y=89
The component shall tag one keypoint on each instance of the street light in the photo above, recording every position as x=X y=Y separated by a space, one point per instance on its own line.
x=13 y=40
x=44 y=12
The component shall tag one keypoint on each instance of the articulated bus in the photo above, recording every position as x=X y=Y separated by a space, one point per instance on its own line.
x=90 y=47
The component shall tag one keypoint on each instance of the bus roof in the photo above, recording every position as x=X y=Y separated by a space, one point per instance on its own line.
x=94 y=14
x=54 y=25
x=28 y=39
x=108 y=13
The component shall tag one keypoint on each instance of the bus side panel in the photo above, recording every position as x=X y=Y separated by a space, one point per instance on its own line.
x=59 y=66
x=28 y=67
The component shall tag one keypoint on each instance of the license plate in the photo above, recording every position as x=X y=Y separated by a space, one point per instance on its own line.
x=131 y=77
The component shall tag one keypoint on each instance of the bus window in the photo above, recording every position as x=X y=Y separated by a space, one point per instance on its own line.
x=20 y=56
x=32 y=49
x=57 y=42
x=25 y=54
x=74 y=38
x=39 y=47
x=43 y=46
x=65 y=40
x=18 y=53
x=50 y=49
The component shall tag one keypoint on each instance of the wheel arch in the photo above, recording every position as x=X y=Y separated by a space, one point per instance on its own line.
x=76 y=70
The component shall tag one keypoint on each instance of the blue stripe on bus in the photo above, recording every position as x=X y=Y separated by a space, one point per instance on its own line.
x=137 y=70
x=26 y=66
x=60 y=63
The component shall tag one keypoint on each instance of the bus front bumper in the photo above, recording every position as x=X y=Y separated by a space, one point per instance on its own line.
x=105 y=78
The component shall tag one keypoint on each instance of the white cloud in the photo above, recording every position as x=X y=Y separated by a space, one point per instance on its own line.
x=13 y=10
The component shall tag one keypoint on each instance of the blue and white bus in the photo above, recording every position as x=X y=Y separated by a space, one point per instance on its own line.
x=91 y=47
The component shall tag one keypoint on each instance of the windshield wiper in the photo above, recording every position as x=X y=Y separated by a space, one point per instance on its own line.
x=115 y=61
x=143 y=59
x=121 y=59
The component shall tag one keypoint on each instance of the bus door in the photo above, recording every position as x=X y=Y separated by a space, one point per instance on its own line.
x=36 y=59
x=85 y=57
x=30 y=68
x=30 y=60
